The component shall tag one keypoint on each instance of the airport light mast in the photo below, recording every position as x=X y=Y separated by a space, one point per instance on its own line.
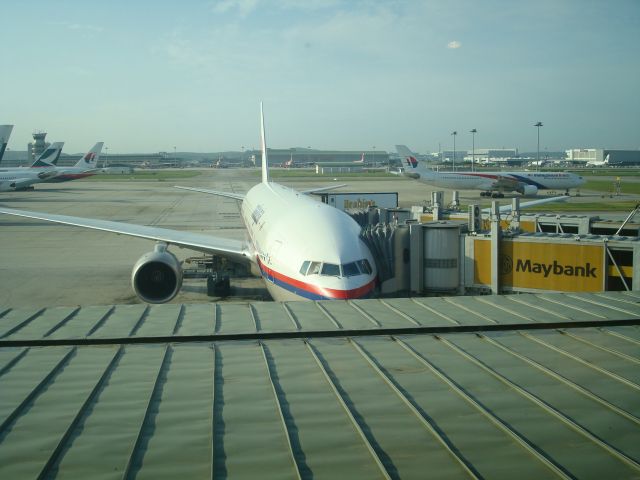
x=454 y=133
x=473 y=148
x=538 y=125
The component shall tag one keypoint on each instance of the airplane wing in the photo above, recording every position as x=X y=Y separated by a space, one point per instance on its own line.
x=235 y=196
x=323 y=189
x=195 y=241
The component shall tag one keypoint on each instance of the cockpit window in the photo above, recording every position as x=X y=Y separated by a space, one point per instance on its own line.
x=304 y=267
x=365 y=267
x=350 y=269
x=330 y=269
x=314 y=268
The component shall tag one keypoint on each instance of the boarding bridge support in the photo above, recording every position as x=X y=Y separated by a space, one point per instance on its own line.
x=496 y=234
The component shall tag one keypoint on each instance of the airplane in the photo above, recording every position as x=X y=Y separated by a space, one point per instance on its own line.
x=11 y=181
x=288 y=163
x=491 y=184
x=20 y=178
x=284 y=246
x=5 y=133
x=85 y=167
x=599 y=163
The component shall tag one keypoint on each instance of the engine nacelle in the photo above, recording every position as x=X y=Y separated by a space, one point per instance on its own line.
x=157 y=275
x=527 y=190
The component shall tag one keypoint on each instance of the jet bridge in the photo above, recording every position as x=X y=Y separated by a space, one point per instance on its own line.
x=471 y=254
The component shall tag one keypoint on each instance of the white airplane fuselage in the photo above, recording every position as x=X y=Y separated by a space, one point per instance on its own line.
x=287 y=228
x=22 y=178
x=487 y=180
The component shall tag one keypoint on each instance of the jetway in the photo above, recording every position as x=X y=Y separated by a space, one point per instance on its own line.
x=474 y=253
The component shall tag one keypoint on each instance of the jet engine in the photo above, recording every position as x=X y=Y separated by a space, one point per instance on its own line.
x=527 y=190
x=157 y=275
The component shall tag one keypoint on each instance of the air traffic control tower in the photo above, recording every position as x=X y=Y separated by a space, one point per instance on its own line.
x=38 y=145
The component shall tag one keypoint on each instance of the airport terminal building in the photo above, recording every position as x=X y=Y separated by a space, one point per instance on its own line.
x=612 y=157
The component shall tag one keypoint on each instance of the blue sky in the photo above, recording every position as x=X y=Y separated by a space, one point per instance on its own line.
x=149 y=75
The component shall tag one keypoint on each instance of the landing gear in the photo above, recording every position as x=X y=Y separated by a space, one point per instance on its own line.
x=492 y=194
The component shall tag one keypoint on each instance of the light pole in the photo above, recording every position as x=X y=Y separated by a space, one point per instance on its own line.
x=473 y=148
x=538 y=125
x=175 y=161
x=454 y=133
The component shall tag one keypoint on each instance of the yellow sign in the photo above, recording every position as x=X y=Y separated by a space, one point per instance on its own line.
x=545 y=266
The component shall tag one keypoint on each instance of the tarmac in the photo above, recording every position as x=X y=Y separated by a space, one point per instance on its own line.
x=45 y=265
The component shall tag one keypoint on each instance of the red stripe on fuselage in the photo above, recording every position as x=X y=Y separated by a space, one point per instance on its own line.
x=325 y=292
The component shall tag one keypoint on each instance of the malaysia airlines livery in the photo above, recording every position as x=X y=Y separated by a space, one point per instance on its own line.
x=491 y=184
x=85 y=167
x=5 y=133
x=303 y=249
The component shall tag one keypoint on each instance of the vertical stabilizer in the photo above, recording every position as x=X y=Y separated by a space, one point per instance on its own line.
x=90 y=159
x=263 y=141
x=50 y=156
x=5 y=133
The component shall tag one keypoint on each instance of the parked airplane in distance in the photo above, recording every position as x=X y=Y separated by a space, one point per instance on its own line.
x=86 y=166
x=5 y=133
x=20 y=178
x=600 y=163
x=303 y=249
x=491 y=184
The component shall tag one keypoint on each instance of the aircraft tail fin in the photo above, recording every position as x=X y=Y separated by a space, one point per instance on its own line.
x=90 y=159
x=5 y=133
x=263 y=141
x=50 y=156
x=408 y=157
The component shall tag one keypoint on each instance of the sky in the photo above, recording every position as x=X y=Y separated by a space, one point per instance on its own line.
x=148 y=76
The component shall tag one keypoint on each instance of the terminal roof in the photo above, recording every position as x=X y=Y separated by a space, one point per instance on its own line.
x=537 y=386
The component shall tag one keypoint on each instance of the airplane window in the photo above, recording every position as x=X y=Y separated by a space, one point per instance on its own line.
x=350 y=269
x=304 y=267
x=365 y=266
x=314 y=268
x=330 y=269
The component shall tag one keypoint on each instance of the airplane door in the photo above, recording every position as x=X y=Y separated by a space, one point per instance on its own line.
x=277 y=245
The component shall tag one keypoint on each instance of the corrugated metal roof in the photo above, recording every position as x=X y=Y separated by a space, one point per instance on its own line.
x=534 y=385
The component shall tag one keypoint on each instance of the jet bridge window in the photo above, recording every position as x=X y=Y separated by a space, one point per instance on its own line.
x=330 y=269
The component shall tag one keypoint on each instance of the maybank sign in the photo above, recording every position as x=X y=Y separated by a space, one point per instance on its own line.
x=556 y=268
x=562 y=267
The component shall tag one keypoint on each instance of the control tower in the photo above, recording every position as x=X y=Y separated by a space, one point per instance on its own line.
x=38 y=145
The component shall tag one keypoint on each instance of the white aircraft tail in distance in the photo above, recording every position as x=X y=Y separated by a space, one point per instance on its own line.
x=5 y=133
x=492 y=184
x=86 y=166
x=302 y=249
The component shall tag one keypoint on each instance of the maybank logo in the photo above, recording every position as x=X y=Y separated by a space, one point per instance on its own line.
x=556 y=268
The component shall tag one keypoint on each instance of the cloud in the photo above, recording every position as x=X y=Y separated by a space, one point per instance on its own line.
x=454 y=44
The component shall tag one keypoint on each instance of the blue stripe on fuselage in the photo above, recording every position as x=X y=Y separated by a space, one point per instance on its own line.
x=528 y=181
